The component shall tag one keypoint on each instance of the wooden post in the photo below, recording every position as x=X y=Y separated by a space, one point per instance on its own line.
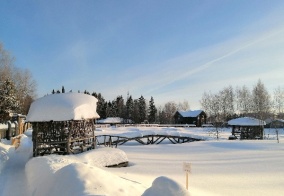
x=94 y=136
x=117 y=141
x=186 y=180
x=187 y=169
x=68 y=142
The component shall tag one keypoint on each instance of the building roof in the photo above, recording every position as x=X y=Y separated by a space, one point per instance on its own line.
x=278 y=120
x=190 y=113
x=246 y=121
x=63 y=107
x=270 y=120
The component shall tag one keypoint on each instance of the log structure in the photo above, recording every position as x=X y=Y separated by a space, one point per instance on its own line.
x=63 y=137
x=247 y=128
x=63 y=124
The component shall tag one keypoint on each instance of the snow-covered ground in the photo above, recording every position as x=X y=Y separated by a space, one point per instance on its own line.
x=223 y=167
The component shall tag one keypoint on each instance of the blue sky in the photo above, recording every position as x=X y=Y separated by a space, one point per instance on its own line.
x=171 y=50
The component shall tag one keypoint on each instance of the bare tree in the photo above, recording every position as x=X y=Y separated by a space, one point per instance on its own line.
x=206 y=102
x=183 y=105
x=6 y=64
x=161 y=116
x=212 y=105
x=26 y=89
x=25 y=86
x=260 y=101
x=243 y=100
x=278 y=102
x=168 y=111
x=226 y=102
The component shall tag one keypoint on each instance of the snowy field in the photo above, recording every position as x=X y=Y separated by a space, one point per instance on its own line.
x=223 y=167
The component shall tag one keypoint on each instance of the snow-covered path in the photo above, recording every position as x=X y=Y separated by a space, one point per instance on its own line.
x=13 y=178
x=14 y=183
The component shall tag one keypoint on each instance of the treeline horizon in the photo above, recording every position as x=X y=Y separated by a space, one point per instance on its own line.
x=230 y=103
x=222 y=106
x=135 y=110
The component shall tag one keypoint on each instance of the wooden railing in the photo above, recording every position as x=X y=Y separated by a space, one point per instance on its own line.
x=114 y=141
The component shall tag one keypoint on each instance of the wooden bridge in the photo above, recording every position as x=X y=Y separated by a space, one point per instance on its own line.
x=114 y=141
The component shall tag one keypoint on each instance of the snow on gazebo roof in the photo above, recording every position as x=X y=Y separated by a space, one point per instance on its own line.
x=63 y=107
x=190 y=113
x=246 y=121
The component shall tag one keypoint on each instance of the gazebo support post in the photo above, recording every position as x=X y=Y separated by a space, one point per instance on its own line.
x=94 y=136
x=68 y=146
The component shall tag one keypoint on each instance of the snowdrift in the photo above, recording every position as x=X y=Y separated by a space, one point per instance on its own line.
x=164 y=186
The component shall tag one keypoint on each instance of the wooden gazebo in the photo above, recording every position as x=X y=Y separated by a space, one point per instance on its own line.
x=63 y=123
x=247 y=128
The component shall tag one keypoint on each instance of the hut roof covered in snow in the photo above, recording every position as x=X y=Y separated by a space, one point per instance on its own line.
x=63 y=107
x=246 y=121
x=190 y=113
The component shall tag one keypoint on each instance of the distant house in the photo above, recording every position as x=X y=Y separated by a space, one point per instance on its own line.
x=196 y=117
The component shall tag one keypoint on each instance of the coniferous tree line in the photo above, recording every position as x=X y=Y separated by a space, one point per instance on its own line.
x=230 y=103
x=133 y=110
x=17 y=87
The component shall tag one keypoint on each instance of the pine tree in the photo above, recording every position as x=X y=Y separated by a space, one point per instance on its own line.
x=108 y=109
x=8 y=101
x=129 y=108
x=152 y=111
x=103 y=111
x=135 y=113
x=142 y=109
x=95 y=94
x=113 y=109
x=86 y=92
x=120 y=107
x=101 y=105
x=63 y=89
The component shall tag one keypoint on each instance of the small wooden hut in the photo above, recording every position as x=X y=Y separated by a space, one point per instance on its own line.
x=63 y=123
x=247 y=128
